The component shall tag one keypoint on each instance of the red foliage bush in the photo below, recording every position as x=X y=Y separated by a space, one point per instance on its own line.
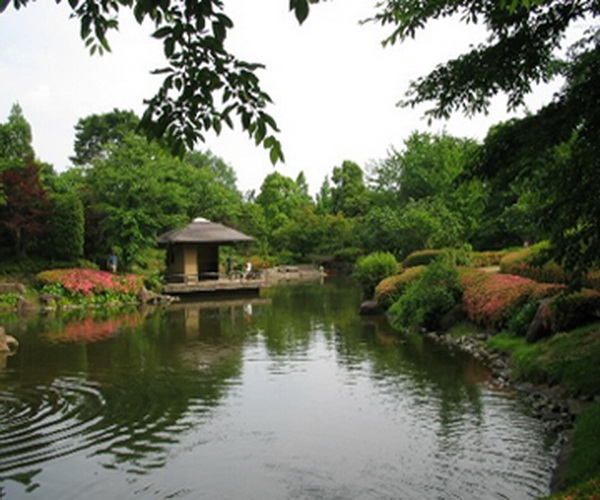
x=89 y=282
x=491 y=299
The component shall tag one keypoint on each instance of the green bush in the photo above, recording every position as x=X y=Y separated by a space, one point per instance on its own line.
x=571 y=310
x=486 y=259
x=519 y=322
x=428 y=298
x=389 y=289
x=371 y=269
x=8 y=300
x=421 y=258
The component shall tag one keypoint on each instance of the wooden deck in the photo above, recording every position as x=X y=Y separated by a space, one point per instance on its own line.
x=218 y=285
x=189 y=284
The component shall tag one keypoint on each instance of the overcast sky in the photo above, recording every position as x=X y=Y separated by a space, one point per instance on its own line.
x=333 y=85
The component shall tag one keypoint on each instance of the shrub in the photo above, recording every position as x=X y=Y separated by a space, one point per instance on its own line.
x=486 y=259
x=567 y=311
x=95 y=286
x=428 y=298
x=491 y=299
x=372 y=268
x=389 y=289
x=519 y=322
x=9 y=300
x=421 y=258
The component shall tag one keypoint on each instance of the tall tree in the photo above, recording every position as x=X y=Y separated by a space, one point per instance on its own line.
x=349 y=194
x=15 y=136
x=26 y=208
x=95 y=134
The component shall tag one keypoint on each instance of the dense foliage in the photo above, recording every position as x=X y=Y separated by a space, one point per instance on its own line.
x=371 y=269
x=426 y=299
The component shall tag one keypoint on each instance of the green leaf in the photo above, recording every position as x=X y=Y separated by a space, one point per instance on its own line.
x=162 y=32
x=300 y=8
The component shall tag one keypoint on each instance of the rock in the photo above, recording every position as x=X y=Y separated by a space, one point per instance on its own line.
x=370 y=307
x=7 y=342
x=148 y=297
x=453 y=317
x=18 y=288
x=537 y=329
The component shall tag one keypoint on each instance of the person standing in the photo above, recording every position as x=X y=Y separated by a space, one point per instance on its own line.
x=112 y=262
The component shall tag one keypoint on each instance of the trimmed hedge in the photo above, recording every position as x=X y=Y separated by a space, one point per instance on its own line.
x=389 y=289
x=421 y=258
x=492 y=299
x=486 y=259
x=533 y=263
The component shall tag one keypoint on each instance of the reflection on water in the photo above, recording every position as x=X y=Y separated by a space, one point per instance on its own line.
x=290 y=395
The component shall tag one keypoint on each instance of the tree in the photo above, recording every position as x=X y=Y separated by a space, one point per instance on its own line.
x=26 y=207
x=522 y=49
x=349 y=194
x=15 y=136
x=428 y=165
x=205 y=86
x=280 y=197
x=95 y=134
x=555 y=155
x=65 y=239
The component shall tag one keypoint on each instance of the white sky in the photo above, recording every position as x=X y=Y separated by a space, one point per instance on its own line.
x=333 y=85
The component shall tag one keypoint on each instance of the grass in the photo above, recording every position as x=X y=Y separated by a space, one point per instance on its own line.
x=570 y=359
x=464 y=329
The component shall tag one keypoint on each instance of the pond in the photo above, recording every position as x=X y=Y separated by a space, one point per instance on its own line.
x=290 y=395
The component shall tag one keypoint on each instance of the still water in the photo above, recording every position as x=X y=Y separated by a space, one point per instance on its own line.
x=287 y=396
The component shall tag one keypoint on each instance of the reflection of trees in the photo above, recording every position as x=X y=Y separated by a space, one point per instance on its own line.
x=127 y=397
x=409 y=362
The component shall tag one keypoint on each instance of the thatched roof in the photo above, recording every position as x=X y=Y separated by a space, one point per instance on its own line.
x=202 y=231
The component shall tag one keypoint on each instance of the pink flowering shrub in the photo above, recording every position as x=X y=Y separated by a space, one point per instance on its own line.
x=491 y=299
x=88 y=282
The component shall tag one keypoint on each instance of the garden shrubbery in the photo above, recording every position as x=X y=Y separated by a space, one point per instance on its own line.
x=390 y=289
x=87 y=285
x=571 y=310
x=534 y=263
x=421 y=258
x=486 y=259
x=426 y=299
x=491 y=299
x=371 y=269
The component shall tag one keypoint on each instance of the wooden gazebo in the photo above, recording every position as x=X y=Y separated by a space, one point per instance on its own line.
x=193 y=251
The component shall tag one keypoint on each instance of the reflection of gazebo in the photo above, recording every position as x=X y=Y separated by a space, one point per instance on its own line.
x=193 y=251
